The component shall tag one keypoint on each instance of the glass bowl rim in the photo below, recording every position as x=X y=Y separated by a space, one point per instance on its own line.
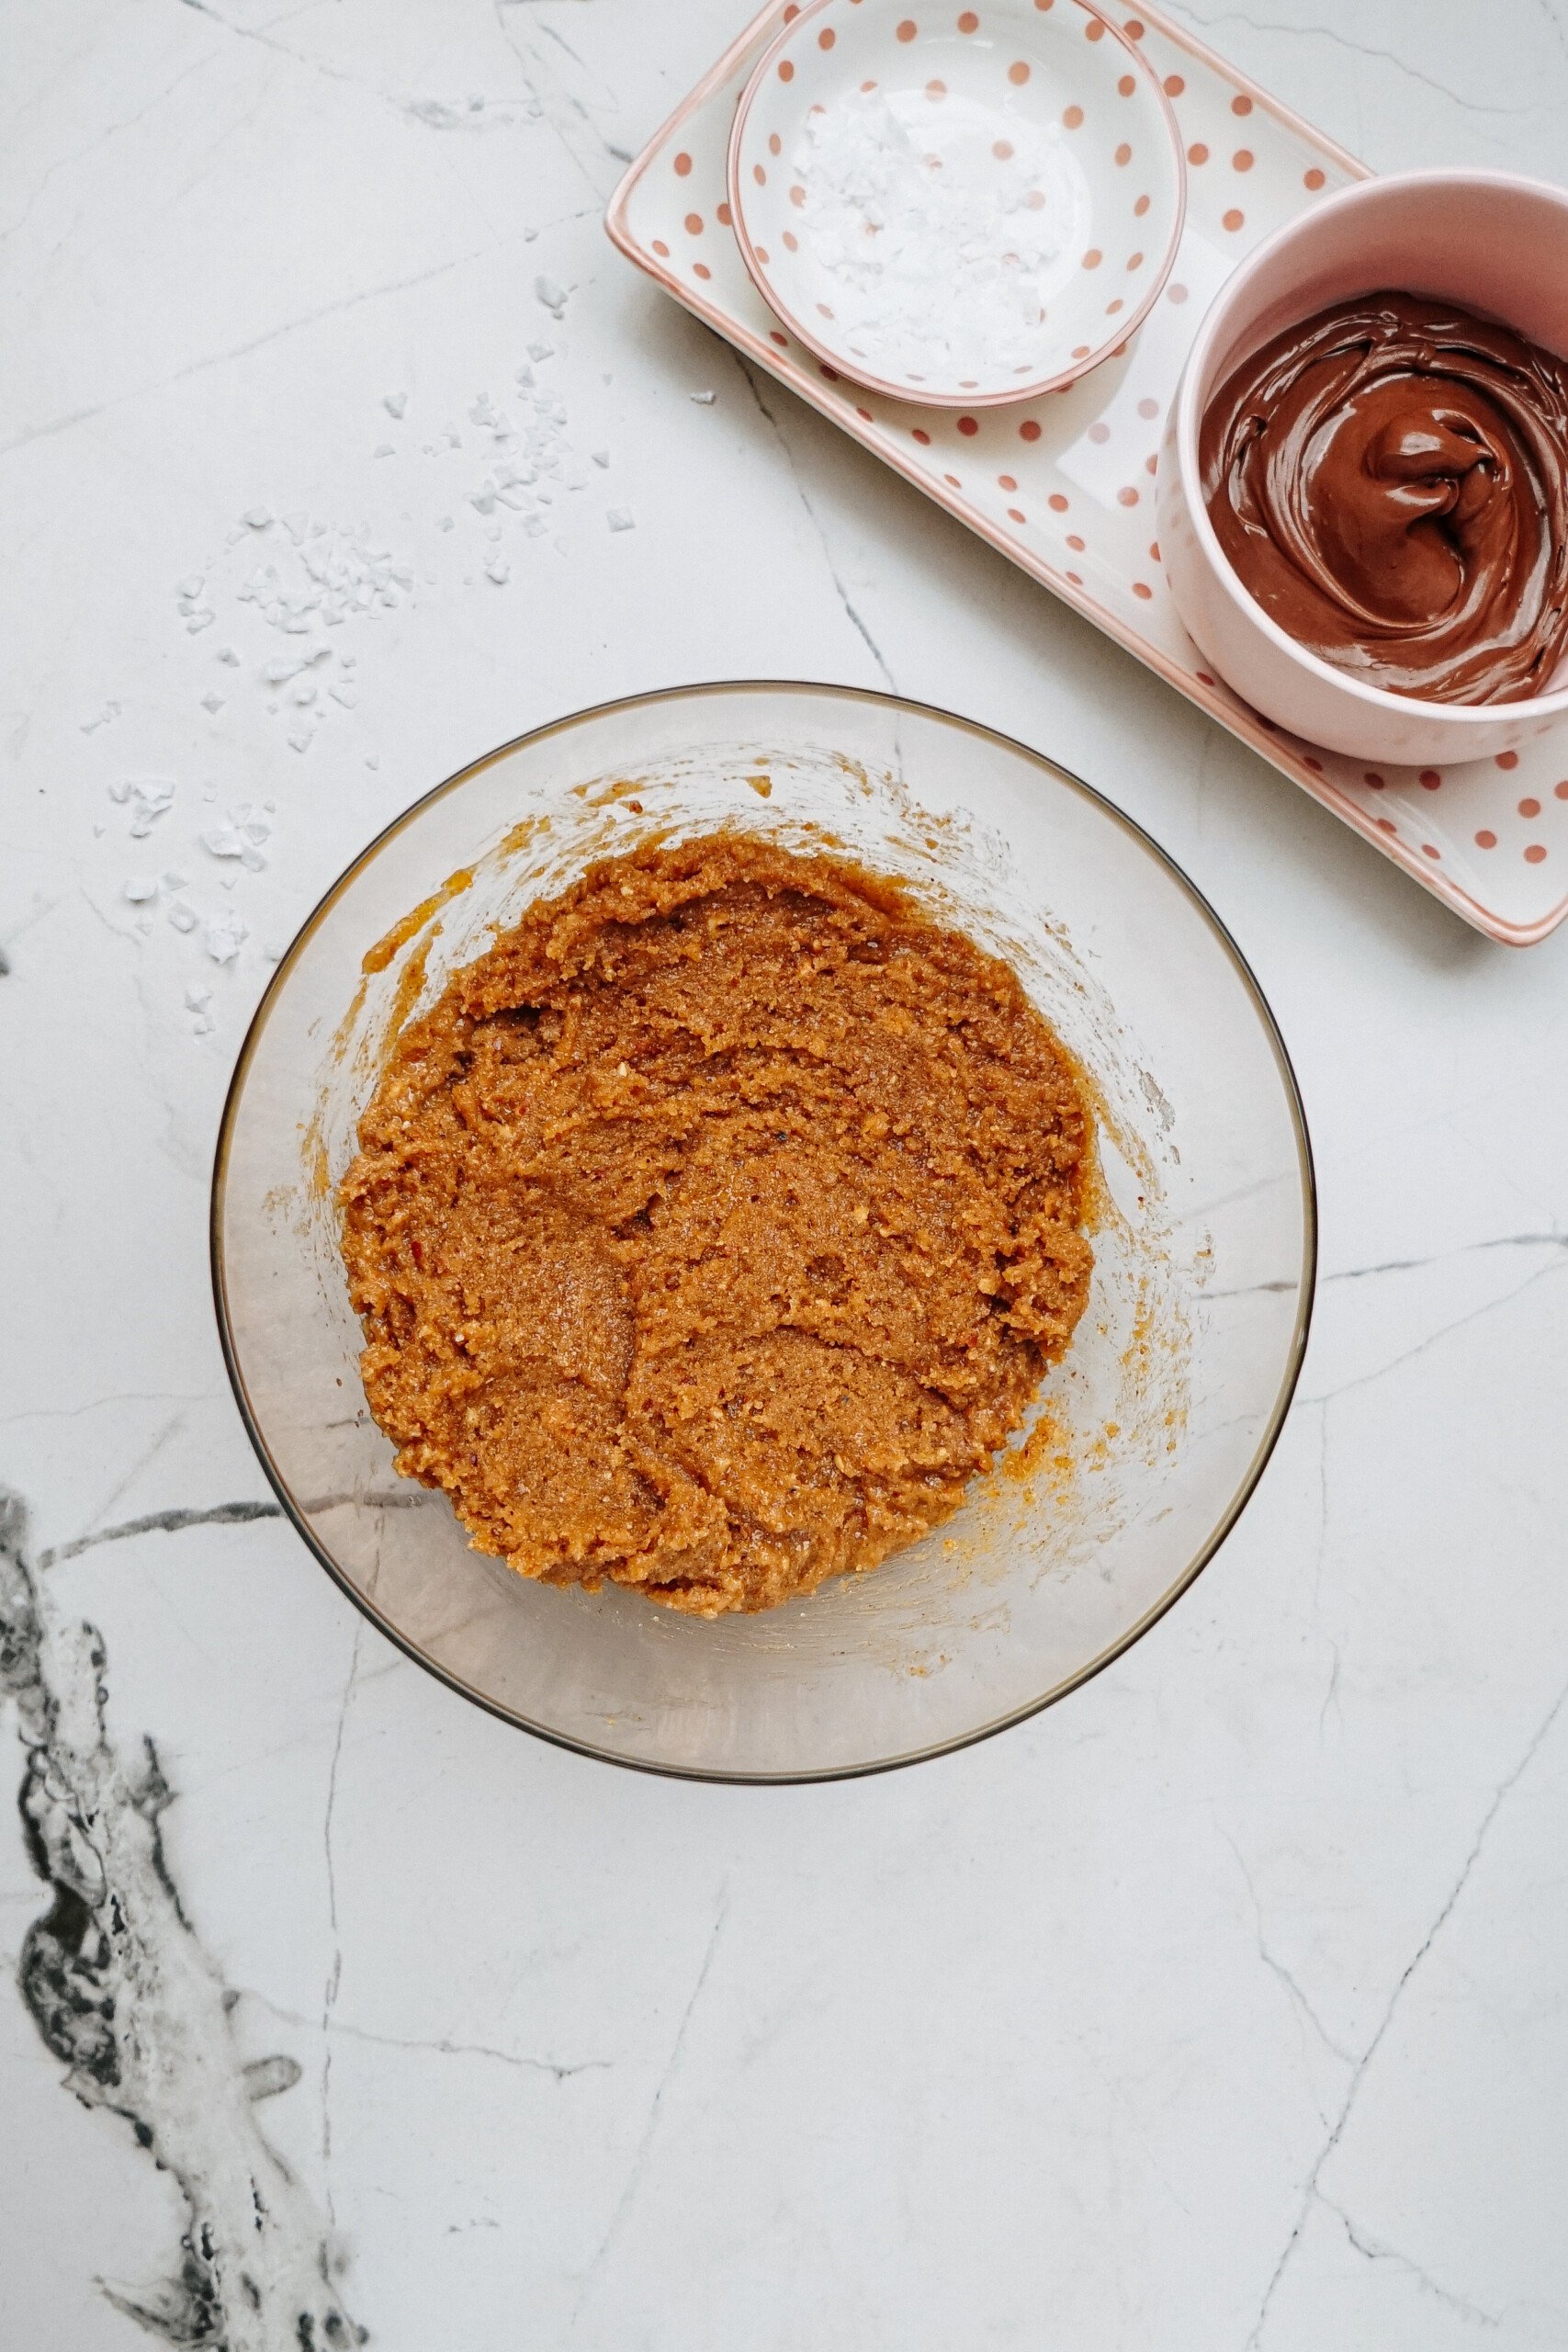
x=294 y=1514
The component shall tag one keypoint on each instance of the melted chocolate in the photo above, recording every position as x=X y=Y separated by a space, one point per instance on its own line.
x=1390 y=480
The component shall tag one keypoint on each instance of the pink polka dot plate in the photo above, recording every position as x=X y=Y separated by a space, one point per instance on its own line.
x=962 y=206
x=1062 y=484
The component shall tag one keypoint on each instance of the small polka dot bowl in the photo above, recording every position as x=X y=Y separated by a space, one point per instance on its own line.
x=1487 y=241
x=955 y=205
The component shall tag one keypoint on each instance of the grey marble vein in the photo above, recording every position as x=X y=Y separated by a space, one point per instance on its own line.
x=634 y=2179
x=852 y=611
x=1312 y=2193
x=1366 y=50
x=123 y=1995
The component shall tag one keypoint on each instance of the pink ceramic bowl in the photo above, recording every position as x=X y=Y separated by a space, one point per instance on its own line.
x=1493 y=242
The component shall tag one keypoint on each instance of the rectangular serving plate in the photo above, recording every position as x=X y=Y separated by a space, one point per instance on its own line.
x=1064 y=486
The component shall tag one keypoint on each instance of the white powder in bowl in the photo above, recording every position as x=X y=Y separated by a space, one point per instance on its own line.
x=947 y=228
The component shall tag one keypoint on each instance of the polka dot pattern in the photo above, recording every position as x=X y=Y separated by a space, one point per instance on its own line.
x=1508 y=851
x=832 y=48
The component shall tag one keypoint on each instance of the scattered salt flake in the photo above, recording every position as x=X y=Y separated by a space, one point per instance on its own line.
x=297 y=524
x=304 y=694
x=253 y=860
x=150 y=797
x=192 y=585
x=227 y=653
x=273 y=952
x=300 y=740
x=141 y=888
x=621 y=518
x=529 y=235
x=214 y=703
x=445 y=523
x=183 y=917
x=383 y=450
x=498 y=569
x=475 y=101
x=222 y=840
x=551 y=294
x=601 y=457
x=174 y=880
x=144 y=924
x=345 y=694
x=537 y=351
x=110 y=710
x=704 y=400
x=199 y=621
x=256 y=518
x=205 y=1026
x=372 y=759
x=197 y=999
x=394 y=403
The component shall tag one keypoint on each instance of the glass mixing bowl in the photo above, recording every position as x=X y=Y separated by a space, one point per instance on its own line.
x=1151 y=1433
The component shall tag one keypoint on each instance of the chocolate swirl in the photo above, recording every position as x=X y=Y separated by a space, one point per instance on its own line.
x=1390 y=480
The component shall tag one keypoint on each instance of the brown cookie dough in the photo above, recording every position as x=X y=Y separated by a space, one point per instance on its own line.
x=715 y=1226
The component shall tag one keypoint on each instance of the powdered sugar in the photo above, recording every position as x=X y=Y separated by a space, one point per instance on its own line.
x=949 y=229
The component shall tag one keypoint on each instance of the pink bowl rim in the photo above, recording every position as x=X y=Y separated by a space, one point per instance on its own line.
x=1012 y=395
x=1462 y=717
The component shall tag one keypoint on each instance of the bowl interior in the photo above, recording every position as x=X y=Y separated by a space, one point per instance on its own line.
x=1492 y=243
x=1152 y=1432
x=960 y=206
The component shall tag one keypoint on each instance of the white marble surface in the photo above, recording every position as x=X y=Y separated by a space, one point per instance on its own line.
x=1220 y=2007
